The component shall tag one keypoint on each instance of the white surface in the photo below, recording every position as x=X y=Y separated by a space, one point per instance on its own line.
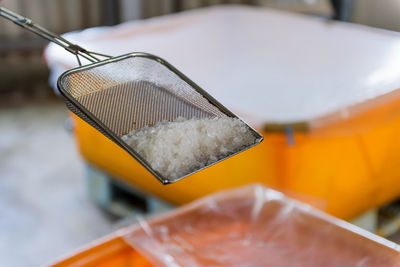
x=267 y=66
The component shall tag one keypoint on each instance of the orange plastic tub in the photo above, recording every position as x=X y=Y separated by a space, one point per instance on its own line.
x=112 y=251
x=249 y=226
x=325 y=96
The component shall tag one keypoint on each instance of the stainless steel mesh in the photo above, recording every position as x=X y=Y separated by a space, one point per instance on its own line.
x=136 y=92
x=129 y=92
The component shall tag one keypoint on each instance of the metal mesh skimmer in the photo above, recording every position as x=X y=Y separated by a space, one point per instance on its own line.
x=126 y=93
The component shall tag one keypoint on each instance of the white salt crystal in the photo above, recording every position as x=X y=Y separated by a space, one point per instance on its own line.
x=177 y=148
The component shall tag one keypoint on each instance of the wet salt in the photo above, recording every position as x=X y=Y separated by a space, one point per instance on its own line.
x=177 y=148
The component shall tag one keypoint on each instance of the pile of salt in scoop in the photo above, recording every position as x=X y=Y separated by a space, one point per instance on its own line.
x=177 y=148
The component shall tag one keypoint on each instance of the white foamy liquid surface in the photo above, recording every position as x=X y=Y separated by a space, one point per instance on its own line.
x=177 y=148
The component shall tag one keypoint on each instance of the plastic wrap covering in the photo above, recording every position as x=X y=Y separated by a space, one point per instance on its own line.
x=256 y=226
x=271 y=67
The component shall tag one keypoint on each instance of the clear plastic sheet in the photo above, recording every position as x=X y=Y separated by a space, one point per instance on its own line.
x=256 y=226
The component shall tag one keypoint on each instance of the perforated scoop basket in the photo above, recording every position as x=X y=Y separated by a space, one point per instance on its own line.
x=125 y=93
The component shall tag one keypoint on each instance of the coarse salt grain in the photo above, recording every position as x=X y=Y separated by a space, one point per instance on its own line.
x=177 y=148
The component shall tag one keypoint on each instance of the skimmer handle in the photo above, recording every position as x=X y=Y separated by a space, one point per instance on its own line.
x=26 y=23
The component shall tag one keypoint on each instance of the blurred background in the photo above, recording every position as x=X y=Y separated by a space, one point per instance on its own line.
x=52 y=200
x=22 y=50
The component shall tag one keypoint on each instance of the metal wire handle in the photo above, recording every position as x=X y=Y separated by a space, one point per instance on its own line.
x=44 y=33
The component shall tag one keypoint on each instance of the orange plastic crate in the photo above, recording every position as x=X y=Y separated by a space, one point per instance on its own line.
x=252 y=225
x=347 y=155
x=112 y=251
